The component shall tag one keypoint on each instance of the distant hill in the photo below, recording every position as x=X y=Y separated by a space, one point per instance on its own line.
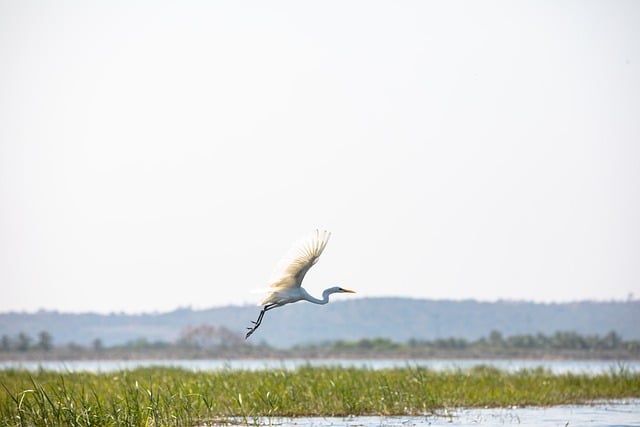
x=399 y=319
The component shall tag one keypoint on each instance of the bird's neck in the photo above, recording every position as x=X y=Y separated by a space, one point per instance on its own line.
x=324 y=300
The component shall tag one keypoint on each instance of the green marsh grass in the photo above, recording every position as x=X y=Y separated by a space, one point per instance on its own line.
x=158 y=396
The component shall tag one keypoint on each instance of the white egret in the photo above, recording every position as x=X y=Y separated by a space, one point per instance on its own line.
x=286 y=280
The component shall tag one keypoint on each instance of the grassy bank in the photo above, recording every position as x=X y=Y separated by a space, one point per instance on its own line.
x=171 y=396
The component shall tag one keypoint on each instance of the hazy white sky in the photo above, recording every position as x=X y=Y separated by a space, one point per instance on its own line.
x=157 y=154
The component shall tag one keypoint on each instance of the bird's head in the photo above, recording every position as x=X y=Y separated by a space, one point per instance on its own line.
x=339 y=290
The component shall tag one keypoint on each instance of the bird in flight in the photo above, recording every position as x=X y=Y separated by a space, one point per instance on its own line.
x=285 y=285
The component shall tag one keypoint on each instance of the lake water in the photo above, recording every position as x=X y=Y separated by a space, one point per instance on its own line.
x=604 y=414
x=555 y=366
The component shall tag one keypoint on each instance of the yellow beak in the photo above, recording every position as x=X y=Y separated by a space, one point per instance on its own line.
x=349 y=291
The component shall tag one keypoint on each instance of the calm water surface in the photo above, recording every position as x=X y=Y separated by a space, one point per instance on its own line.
x=555 y=366
x=605 y=414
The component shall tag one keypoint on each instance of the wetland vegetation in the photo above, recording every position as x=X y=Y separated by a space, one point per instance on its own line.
x=173 y=396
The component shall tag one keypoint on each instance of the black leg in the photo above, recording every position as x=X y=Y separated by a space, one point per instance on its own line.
x=259 y=320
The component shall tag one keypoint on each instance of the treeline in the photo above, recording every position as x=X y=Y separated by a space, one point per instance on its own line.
x=208 y=340
x=24 y=342
x=191 y=337
x=494 y=342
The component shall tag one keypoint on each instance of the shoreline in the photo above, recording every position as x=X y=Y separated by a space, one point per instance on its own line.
x=70 y=356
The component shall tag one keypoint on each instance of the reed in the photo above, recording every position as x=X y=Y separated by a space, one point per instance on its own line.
x=158 y=396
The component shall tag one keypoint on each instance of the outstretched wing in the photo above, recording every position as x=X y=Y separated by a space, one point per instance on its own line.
x=291 y=269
